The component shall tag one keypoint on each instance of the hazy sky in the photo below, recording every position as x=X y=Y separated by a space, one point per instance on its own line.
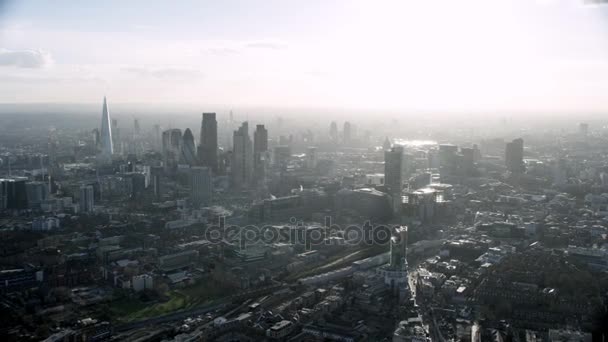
x=432 y=55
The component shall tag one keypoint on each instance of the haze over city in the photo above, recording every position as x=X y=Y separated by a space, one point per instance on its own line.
x=304 y=171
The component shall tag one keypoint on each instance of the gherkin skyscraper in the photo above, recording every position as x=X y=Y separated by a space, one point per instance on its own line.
x=188 y=149
x=106 y=133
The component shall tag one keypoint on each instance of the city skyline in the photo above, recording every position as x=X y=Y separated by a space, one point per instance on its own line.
x=270 y=170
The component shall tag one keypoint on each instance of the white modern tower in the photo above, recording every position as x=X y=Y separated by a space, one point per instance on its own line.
x=106 y=133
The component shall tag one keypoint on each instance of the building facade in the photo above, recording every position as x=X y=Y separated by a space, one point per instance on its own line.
x=242 y=158
x=207 y=150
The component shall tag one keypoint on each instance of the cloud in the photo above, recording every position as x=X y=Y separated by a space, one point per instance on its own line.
x=222 y=51
x=49 y=79
x=228 y=47
x=236 y=47
x=166 y=74
x=266 y=44
x=33 y=59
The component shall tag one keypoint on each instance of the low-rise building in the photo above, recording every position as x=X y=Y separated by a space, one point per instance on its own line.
x=280 y=329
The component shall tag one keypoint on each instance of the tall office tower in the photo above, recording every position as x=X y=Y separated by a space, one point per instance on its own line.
x=207 y=150
x=260 y=153
x=136 y=128
x=260 y=139
x=514 y=156
x=157 y=138
x=467 y=161
x=36 y=193
x=201 y=186
x=188 y=149
x=393 y=171
x=393 y=168
x=333 y=131
x=86 y=198
x=448 y=159
x=166 y=142
x=53 y=165
x=176 y=140
x=138 y=184
x=116 y=141
x=242 y=157
x=172 y=139
x=96 y=138
x=156 y=173
x=311 y=157
x=13 y=193
x=105 y=136
x=347 y=132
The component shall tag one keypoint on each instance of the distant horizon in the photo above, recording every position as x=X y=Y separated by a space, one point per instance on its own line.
x=402 y=124
x=468 y=56
x=300 y=107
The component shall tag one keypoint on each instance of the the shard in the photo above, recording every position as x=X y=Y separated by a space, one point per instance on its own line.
x=105 y=135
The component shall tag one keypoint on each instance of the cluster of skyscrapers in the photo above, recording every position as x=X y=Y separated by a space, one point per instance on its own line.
x=246 y=163
x=348 y=132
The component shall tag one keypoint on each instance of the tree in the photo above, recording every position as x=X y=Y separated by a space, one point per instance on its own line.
x=162 y=288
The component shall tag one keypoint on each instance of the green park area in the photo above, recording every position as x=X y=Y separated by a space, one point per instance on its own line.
x=134 y=309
